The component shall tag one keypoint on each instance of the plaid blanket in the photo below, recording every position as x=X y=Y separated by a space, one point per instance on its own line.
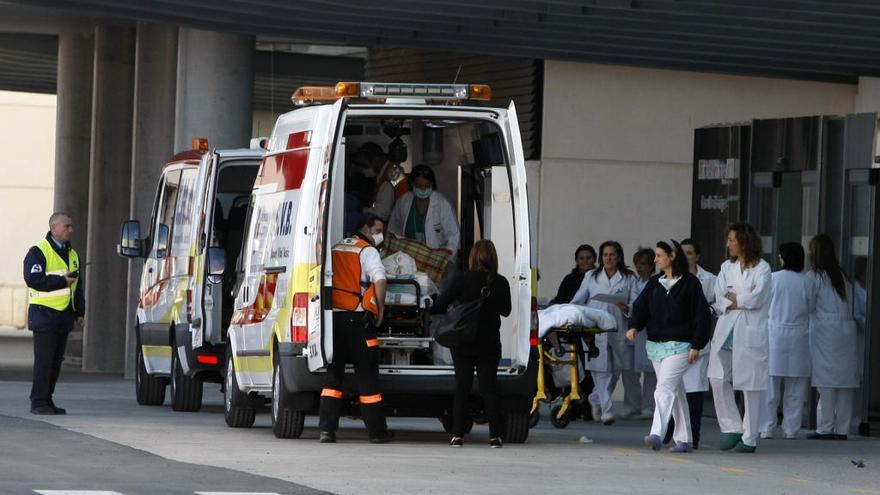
x=431 y=261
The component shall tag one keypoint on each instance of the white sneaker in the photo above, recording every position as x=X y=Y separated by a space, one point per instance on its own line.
x=647 y=414
x=766 y=435
x=791 y=436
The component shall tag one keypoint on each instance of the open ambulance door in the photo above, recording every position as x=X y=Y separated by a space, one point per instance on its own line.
x=521 y=289
x=328 y=213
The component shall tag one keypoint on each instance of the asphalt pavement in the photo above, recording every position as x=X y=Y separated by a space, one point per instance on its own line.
x=107 y=442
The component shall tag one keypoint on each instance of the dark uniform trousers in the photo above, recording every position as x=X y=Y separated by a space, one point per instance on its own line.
x=49 y=349
x=354 y=341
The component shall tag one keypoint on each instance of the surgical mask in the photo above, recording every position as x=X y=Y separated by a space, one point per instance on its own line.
x=378 y=238
x=423 y=193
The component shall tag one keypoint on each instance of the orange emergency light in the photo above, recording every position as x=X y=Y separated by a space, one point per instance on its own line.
x=199 y=144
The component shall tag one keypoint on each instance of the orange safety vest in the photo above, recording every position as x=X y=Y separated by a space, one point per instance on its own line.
x=348 y=291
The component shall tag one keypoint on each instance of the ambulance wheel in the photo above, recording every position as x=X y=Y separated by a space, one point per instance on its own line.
x=150 y=390
x=556 y=420
x=449 y=423
x=186 y=392
x=286 y=422
x=534 y=418
x=516 y=427
x=235 y=402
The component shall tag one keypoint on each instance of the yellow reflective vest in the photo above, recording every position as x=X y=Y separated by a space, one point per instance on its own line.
x=59 y=299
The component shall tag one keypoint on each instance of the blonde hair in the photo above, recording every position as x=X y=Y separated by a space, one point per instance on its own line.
x=483 y=257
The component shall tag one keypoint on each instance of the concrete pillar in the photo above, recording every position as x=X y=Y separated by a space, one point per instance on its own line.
x=153 y=143
x=109 y=199
x=215 y=83
x=73 y=131
x=868 y=97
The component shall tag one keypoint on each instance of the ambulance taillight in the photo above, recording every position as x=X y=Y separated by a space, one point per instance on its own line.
x=533 y=331
x=299 y=319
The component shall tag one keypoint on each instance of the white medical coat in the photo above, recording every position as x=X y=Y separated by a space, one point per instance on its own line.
x=441 y=226
x=789 y=326
x=751 y=347
x=641 y=362
x=614 y=352
x=695 y=378
x=833 y=337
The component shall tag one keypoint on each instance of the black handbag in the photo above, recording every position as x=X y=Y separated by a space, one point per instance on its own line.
x=461 y=323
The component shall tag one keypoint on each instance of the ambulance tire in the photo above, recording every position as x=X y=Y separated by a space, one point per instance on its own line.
x=150 y=390
x=235 y=403
x=186 y=392
x=286 y=421
x=448 y=424
x=516 y=427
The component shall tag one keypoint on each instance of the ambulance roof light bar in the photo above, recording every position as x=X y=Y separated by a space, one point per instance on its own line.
x=308 y=95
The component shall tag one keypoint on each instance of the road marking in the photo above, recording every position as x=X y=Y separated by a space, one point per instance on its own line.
x=678 y=459
x=794 y=479
x=236 y=493
x=625 y=451
x=734 y=470
x=866 y=491
x=77 y=492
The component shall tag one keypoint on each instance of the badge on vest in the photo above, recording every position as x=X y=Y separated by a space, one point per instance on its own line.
x=37 y=269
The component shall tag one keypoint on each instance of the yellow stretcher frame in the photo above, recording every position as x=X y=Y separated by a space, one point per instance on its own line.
x=571 y=360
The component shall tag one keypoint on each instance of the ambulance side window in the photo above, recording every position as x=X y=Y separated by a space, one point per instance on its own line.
x=246 y=239
x=162 y=235
x=148 y=242
x=184 y=214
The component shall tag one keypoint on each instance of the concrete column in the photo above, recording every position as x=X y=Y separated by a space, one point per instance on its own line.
x=215 y=83
x=109 y=199
x=73 y=131
x=868 y=97
x=153 y=143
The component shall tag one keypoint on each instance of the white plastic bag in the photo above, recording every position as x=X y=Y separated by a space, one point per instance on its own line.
x=399 y=264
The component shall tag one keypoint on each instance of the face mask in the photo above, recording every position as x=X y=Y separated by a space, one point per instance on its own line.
x=378 y=238
x=423 y=193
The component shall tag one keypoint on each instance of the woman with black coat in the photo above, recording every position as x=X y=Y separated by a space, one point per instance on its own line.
x=674 y=311
x=484 y=354
x=585 y=261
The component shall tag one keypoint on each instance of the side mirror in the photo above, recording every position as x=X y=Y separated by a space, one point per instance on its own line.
x=216 y=264
x=130 y=240
x=162 y=241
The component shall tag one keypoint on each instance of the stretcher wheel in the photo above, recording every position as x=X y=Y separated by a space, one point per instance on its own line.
x=534 y=418
x=557 y=421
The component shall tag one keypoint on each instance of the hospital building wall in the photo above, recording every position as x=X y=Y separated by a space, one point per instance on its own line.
x=617 y=150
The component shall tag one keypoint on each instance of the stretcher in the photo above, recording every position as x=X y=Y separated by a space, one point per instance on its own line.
x=404 y=328
x=563 y=345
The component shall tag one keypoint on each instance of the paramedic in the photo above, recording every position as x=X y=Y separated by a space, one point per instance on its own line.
x=740 y=346
x=585 y=261
x=52 y=273
x=608 y=288
x=833 y=342
x=358 y=306
x=674 y=310
x=789 y=329
x=425 y=215
x=484 y=354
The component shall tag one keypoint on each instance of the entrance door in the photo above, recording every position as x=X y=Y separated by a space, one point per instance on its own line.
x=784 y=208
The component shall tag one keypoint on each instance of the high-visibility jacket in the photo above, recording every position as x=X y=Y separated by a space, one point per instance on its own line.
x=59 y=299
x=349 y=291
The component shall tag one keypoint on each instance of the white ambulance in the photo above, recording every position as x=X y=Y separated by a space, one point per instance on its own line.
x=183 y=309
x=281 y=332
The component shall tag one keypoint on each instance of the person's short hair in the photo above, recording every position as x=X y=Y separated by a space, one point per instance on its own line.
x=749 y=242
x=483 y=256
x=368 y=219
x=793 y=257
x=56 y=217
x=690 y=242
x=643 y=254
x=423 y=171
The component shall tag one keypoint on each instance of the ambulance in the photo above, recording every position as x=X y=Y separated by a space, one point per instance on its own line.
x=184 y=303
x=281 y=334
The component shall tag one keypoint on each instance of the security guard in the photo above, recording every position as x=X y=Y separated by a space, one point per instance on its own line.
x=51 y=271
x=358 y=305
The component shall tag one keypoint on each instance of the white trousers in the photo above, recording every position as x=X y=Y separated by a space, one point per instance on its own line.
x=834 y=412
x=729 y=419
x=603 y=382
x=670 y=398
x=796 y=389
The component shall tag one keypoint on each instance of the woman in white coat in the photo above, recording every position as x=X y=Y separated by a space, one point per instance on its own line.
x=425 y=215
x=833 y=342
x=740 y=347
x=789 y=329
x=613 y=278
x=696 y=382
x=643 y=261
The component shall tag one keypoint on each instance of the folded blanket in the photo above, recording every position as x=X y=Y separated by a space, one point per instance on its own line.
x=561 y=315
